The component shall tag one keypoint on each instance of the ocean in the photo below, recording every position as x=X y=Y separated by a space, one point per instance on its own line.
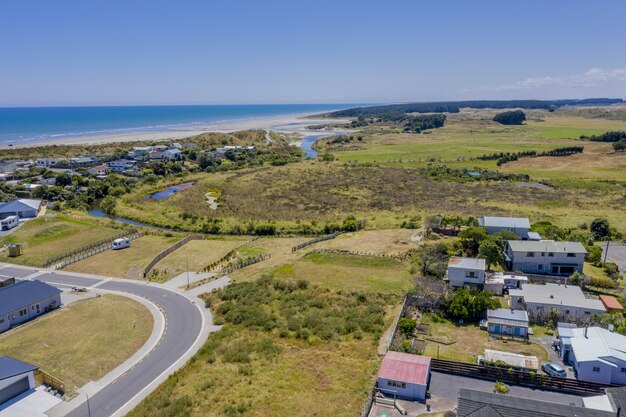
x=28 y=125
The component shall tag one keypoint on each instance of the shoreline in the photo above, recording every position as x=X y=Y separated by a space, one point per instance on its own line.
x=294 y=123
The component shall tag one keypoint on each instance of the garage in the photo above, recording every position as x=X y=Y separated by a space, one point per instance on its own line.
x=16 y=377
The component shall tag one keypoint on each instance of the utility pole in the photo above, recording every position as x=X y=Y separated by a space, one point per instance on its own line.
x=606 y=250
x=187 y=272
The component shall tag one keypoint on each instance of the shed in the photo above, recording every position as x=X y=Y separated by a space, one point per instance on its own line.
x=507 y=322
x=404 y=376
x=611 y=303
x=514 y=360
x=16 y=377
x=15 y=249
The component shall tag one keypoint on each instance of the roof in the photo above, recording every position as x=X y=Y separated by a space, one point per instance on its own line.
x=20 y=205
x=82 y=159
x=610 y=302
x=10 y=367
x=599 y=345
x=174 y=151
x=546 y=246
x=486 y=404
x=617 y=397
x=404 y=367
x=508 y=315
x=513 y=359
x=122 y=161
x=533 y=236
x=557 y=295
x=466 y=263
x=507 y=222
x=23 y=293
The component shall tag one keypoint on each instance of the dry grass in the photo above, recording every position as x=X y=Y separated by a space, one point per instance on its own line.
x=471 y=341
x=49 y=236
x=197 y=254
x=125 y=263
x=389 y=241
x=82 y=342
x=278 y=248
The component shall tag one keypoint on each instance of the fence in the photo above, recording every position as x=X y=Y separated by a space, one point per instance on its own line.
x=53 y=260
x=243 y=264
x=231 y=254
x=95 y=251
x=42 y=377
x=507 y=375
x=399 y=256
x=370 y=402
x=169 y=250
x=313 y=241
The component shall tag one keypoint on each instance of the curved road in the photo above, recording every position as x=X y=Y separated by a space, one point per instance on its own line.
x=183 y=325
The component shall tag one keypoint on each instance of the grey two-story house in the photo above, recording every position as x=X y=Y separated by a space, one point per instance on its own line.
x=545 y=257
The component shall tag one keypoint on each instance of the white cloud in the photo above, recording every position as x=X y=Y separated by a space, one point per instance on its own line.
x=590 y=78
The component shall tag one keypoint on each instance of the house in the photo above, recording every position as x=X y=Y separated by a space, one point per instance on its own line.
x=518 y=225
x=121 y=165
x=545 y=257
x=611 y=304
x=140 y=153
x=49 y=162
x=597 y=354
x=23 y=208
x=98 y=170
x=465 y=271
x=568 y=301
x=404 y=376
x=174 y=154
x=499 y=283
x=16 y=377
x=474 y=403
x=507 y=322
x=513 y=360
x=26 y=300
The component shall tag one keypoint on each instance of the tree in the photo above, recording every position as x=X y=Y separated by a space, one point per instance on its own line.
x=406 y=326
x=619 y=146
x=600 y=228
x=63 y=179
x=471 y=304
x=492 y=252
x=434 y=259
x=515 y=117
x=471 y=239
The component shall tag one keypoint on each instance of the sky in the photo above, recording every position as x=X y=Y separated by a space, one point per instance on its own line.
x=136 y=52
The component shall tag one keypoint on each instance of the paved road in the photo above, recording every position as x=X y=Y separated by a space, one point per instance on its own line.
x=183 y=325
x=617 y=254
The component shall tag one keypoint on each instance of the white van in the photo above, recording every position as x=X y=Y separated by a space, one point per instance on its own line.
x=121 y=243
x=9 y=223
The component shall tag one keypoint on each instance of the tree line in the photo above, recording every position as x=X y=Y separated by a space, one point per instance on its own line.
x=504 y=157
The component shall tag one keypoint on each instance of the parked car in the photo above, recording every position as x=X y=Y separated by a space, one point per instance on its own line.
x=554 y=369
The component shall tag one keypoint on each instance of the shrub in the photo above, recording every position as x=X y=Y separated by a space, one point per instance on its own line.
x=406 y=326
x=501 y=388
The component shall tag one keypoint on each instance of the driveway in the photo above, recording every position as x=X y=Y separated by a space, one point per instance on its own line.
x=617 y=254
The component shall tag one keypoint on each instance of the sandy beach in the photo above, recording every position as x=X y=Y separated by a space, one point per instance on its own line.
x=286 y=124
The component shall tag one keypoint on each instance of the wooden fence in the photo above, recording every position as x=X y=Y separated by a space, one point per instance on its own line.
x=243 y=264
x=94 y=251
x=169 y=250
x=44 y=378
x=507 y=375
x=316 y=240
x=231 y=254
x=399 y=255
x=55 y=259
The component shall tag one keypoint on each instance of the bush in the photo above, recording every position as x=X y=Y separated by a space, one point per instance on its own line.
x=515 y=117
x=501 y=388
x=406 y=326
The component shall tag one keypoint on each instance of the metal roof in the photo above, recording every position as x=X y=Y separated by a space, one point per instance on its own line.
x=10 y=367
x=520 y=316
x=507 y=222
x=404 y=367
x=557 y=295
x=610 y=302
x=24 y=293
x=513 y=359
x=546 y=246
x=466 y=263
x=20 y=205
x=599 y=344
x=533 y=236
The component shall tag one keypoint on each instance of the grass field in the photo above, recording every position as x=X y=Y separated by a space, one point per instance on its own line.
x=197 y=254
x=125 y=263
x=82 y=342
x=384 y=242
x=49 y=236
x=470 y=341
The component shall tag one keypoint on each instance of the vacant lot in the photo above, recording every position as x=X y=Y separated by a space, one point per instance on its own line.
x=49 y=236
x=197 y=254
x=125 y=263
x=82 y=342
x=470 y=341
x=383 y=242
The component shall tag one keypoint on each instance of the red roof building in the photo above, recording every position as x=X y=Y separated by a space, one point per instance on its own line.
x=611 y=303
x=404 y=375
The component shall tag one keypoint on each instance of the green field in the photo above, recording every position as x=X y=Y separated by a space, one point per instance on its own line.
x=45 y=237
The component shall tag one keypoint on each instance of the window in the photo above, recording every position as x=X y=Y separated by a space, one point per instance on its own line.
x=588 y=313
x=566 y=311
x=571 y=255
x=596 y=369
x=23 y=312
x=470 y=274
x=396 y=384
x=540 y=267
x=551 y=254
x=623 y=369
x=543 y=254
x=530 y=254
x=2 y=321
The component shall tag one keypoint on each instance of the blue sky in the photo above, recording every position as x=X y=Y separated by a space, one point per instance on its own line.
x=114 y=52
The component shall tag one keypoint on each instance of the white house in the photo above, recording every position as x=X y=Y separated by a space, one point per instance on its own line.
x=26 y=300
x=498 y=282
x=567 y=300
x=507 y=322
x=16 y=377
x=465 y=271
x=597 y=354
x=121 y=165
x=23 y=208
x=404 y=376
x=518 y=225
x=545 y=257
x=98 y=170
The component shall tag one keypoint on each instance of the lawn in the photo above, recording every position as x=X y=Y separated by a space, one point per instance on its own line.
x=197 y=254
x=125 y=263
x=82 y=342
x=45 y=237
x=470 y=341
x=349 y=272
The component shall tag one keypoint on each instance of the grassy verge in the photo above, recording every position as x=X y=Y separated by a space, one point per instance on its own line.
x=82 y=342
